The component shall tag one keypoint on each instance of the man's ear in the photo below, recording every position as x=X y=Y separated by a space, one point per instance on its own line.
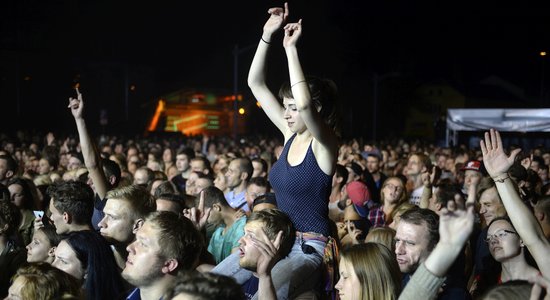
x=9 y=174
x=51 y=252
x=243 y=176
x=216 y=206
x=67 y=218
x=137 y=225
x=169 y=266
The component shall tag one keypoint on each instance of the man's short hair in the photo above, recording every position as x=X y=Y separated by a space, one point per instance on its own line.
x=140 y=200
x=173 y=198
x=259 y=181
x=213 y=195
x=267 y=198
x=421 y=216
x=486 y=183
x=263 y=162
x=11 y=164
x=204 y=286
x=245 y=165
x=178 y=238
x=149 y=172
x=111 y=168
x=187 y=152
x=75 y=198
x=51 y=157
x=205 y=162
x=275 y=220
x=165 y=187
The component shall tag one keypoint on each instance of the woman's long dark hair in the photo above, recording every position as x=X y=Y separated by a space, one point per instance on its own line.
x=103 y=279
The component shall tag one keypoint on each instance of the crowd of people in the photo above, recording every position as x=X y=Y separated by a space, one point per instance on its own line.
x=311 y=217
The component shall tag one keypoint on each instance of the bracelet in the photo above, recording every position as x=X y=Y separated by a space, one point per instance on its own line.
x=269 y=43
x=298 y=83
x=501 y=180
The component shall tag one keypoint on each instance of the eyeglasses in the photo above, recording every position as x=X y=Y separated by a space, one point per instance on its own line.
x=499 y=235
x=394 y=187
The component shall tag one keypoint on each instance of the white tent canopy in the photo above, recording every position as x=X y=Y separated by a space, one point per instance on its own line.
x=501 y=119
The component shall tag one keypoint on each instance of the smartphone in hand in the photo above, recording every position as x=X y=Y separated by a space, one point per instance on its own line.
x=38 y=213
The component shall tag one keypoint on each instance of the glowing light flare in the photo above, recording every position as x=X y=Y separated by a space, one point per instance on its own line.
x=542 y=53
x=156 y=116
x=241 y=111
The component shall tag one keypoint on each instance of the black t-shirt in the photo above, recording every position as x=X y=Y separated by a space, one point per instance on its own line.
x=250 y=287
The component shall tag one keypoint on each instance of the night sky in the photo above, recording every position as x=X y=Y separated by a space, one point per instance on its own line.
x=164 y=46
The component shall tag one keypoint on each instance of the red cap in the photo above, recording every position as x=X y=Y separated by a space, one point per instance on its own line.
x=358 y=192
x=474 y=165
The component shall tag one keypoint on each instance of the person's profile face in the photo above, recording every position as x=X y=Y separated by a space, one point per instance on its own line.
x=490 y=205
x=38 y=250
x=248 y=252
x=67 y=261
x=116 y=225
x=411 y=246
x=292 y=116
x=348 y=286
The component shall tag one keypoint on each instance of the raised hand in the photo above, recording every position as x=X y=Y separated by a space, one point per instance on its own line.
x=293 y=31
x=268 y=252
x=76 y=105
x=495 y=160
x=353 y=232
x=429 y=178
x=456 y=222
x=526 y=162
x=278 y=17
x=198 y=215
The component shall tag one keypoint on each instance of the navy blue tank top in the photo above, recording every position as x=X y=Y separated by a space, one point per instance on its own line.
x=302 y=191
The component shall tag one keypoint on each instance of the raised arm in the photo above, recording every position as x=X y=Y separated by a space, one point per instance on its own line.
x=497 y=164
x=320 y=131
x=90 y=153
x=257 y=73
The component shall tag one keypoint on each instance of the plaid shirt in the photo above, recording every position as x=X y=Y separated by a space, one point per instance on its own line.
x=376 y=217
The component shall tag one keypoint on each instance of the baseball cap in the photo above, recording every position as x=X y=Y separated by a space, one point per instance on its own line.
x=358 y=192
x=474 y=165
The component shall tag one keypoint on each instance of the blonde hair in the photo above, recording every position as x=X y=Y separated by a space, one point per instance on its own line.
x=403 y=197
x=377 y=270
x=381 y=235
x=43 y=281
